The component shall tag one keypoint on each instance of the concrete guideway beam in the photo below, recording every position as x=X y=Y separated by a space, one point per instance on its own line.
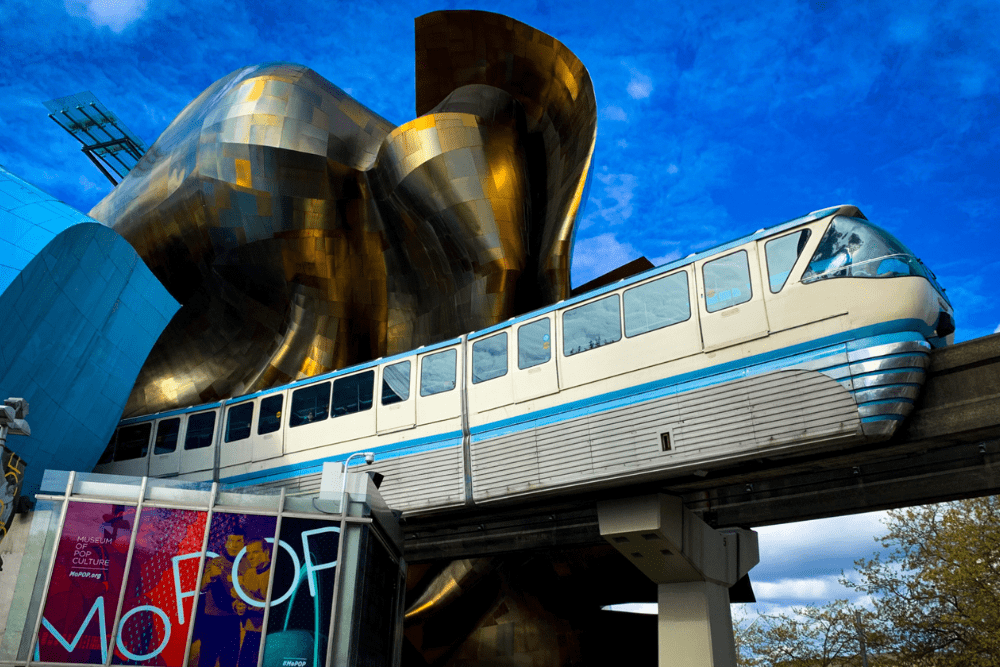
x=693 y=566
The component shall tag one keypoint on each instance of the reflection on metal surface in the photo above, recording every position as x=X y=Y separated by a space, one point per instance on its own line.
x=302 y=232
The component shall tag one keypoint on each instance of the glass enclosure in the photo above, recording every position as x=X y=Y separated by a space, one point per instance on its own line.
x=137 y=571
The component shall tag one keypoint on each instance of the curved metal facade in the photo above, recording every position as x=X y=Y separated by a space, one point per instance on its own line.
x=80 y=312
x=302 y=232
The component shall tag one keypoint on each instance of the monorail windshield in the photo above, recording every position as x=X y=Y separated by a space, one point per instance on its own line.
x=855 y=248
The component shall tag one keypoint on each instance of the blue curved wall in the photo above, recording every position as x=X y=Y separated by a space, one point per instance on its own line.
x=79 y=313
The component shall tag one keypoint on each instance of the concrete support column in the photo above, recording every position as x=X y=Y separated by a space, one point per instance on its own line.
x=694 y=627
x=694 y=566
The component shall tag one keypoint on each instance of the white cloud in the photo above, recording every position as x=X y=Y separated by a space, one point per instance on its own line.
x=672 y=169
x=114 y=14
x=612 y=112
x=997 y=330
x=640 y=86
x=88 y=184
x=804 y=590
x=622 y=143
x=597 y=255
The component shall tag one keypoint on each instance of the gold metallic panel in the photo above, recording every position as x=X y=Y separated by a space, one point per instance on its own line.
x=302 y=232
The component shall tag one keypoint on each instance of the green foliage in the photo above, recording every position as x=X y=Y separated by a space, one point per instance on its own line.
x=936 y=598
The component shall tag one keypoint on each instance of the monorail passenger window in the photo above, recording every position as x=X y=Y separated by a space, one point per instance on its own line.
x=727 y=281
x=109 y=451
x=133 y=442
x=437 y=372
x=489 y=358
x=534 y=346
x=238 y=422
x=657 y=304
x=353 y=394
x=782 y=253
x=269 y=419
x=200 y=430
x=592 y=326
x=310 y=404
x=396 y=383
x=166 y=436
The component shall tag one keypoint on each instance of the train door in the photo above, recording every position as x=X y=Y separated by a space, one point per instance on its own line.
x=198 y=451
x=533 y=364
x=236 y=444
x=438 y=397
x=396 y=409
x=267 y=432
x=489 y=377
x=730 y=299
x=165 y=460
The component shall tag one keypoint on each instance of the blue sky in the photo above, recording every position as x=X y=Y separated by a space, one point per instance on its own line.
x=715 y=119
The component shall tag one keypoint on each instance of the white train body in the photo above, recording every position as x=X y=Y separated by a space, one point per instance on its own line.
x=785 y=347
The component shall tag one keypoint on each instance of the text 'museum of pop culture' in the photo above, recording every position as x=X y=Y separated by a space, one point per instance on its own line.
x=301 y=232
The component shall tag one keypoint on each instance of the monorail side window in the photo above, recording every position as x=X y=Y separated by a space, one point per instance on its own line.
x=489 y=358
x=727 y=281
x=396 y=383
x=657 y=304
x=533 y=344
x=269 y=419
x=166 y=436
x=592 y=326
x=310 y=404
x=200 y=430
x=437 y=372
x=133 y=442
x=782 y=253
x=353 y=394
x=109 y=451
x=238 y=422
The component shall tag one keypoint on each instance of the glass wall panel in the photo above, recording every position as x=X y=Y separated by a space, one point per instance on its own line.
x=534 y=346
x=310 y=404
x=86 y=581
x=592 y=326
x=727 y=281
x=160 y=591
x=396 y=383
x=353 y=394
x=200 y=430
x=302 y=596
x=489 y=358
x=437 y=372
x=657 y=304
x=230 y=616
x=269 y=420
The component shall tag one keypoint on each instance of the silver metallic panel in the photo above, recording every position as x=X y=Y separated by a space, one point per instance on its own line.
x=889 y=348
x=909 y=361
x=884 y=393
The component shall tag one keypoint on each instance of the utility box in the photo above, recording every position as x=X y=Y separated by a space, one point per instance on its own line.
x=160 y=572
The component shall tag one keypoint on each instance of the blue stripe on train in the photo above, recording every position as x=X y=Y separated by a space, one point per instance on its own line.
x=896 y=331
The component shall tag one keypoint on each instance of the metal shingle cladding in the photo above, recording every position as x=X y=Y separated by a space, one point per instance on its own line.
x=79 y=313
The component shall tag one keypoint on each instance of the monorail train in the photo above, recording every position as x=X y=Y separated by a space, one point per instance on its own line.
x=808 y=336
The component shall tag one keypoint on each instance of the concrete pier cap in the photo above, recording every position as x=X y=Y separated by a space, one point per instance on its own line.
x=693 y=564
